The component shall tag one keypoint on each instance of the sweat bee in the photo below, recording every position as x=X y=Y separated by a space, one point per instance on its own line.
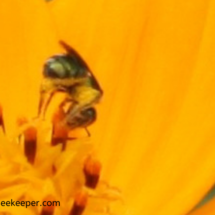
x=70 y=74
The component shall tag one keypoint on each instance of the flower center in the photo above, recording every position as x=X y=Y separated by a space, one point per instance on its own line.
x=54 y=168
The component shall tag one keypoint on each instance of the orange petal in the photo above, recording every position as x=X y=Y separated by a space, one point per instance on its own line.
x=27 y=40
x=155 y=62
x=207 y=209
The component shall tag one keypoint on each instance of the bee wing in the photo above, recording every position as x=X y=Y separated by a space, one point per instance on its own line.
x=74 y=54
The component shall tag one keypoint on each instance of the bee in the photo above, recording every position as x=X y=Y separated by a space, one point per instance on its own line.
x=70 y=74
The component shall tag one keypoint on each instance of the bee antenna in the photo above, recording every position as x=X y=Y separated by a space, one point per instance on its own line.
x=88 y=133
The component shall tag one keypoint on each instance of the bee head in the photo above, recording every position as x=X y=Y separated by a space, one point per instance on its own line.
x=85 y=118
x=62 y=67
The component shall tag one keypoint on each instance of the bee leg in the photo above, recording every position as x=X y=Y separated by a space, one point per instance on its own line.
x=65 y=101
x=74 y=108
x=44 y=102
x=87 y=131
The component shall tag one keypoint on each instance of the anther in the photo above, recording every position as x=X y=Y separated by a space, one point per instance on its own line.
x=2 y=119
x=30 y=143
x=92 y=170
x=79 y=204
x=48 y=210
x=60 y=132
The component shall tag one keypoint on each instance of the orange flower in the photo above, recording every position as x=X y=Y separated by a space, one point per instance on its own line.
x=155 y=62
x=37 y=161
x=155 y=129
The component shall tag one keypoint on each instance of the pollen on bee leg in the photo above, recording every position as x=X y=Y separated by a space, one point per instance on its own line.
x=92 y=170
x=48 y=209
x=2 y=119
x=79 y=204
x=30 y=143
x=60 y=132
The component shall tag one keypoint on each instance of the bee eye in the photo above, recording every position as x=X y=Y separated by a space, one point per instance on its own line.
x=54 y=69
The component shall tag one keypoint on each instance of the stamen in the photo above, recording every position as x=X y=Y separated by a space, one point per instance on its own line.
x=60 y=132
x=48 y=210
x=2 y=119
x=92 y=169
x=30 y=143
x=79 y=203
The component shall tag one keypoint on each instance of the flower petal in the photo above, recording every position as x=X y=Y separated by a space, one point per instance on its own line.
x=27 y=39
x=155 y=62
